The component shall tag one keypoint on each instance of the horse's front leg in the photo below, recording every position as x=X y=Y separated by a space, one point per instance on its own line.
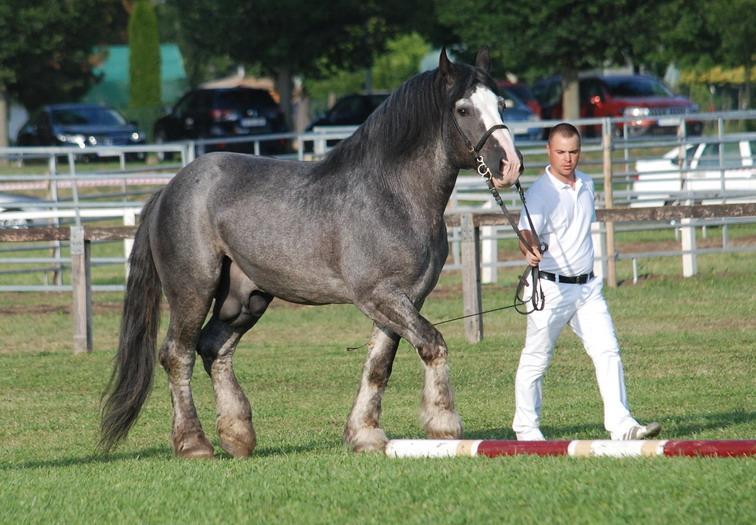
x=399 y=314
x=363 y=432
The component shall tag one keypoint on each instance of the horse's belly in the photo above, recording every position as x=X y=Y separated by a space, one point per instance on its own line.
x=310 y=285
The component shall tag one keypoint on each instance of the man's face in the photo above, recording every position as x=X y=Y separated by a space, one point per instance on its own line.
x=564 y=154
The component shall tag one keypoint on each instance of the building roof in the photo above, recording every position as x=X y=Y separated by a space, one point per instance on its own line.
x=113 y=89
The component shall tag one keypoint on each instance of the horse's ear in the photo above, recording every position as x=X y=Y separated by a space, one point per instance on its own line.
x=444 y=64
x=483 y=60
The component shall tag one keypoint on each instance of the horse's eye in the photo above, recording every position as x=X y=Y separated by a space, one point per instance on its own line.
x=462 y=111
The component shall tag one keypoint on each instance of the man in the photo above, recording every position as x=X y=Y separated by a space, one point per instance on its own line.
x=561 y=204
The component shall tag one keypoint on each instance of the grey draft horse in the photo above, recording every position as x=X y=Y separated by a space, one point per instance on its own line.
x=364 y=226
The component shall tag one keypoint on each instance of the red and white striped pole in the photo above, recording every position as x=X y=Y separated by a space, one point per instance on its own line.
x=426 y=448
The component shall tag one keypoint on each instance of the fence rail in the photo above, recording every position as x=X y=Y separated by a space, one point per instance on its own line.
x=75 y=192
x=470 y=223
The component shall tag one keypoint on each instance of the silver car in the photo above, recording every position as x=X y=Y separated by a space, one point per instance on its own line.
x=696 y=174
x=12 y=202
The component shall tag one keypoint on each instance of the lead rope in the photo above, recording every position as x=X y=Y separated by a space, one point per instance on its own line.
x=537 y=300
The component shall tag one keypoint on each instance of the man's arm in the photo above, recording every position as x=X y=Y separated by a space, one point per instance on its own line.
x=532 y=255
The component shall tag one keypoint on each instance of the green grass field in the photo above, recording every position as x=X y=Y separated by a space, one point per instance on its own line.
x=689 y=349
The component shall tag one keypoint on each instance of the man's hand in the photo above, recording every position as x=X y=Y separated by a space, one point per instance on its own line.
x=533 y=254
x=534 y=257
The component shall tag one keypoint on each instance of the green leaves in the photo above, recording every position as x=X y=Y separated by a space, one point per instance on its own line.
x=47 y=46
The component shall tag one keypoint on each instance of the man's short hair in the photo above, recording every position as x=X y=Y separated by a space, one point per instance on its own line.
x=566 y=130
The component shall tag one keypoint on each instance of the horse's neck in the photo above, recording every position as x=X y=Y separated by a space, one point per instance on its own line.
x=426 y=181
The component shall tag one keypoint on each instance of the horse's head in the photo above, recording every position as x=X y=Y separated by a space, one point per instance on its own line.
x=474 y=111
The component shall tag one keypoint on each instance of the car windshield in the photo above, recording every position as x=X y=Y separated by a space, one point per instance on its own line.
x=244 y=99
x=92 y=116
x=636 y=87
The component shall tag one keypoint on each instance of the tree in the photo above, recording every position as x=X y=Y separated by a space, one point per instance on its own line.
x=46 y=51
x=700 y=34
x=554 y=36
x=144 y=63
x=398 y=63
x=288 y=37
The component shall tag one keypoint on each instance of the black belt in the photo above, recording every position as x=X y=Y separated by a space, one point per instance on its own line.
x=577 y=279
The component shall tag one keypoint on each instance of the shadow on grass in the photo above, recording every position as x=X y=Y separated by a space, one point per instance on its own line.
x=693 y=424
x=553 y=433
x=163 y=452
x=90 y=459
x=677 y=427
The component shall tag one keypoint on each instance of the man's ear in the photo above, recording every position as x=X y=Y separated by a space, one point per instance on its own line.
x=483 y=60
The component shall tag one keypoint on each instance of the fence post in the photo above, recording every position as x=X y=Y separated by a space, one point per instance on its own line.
x=82 y=290
x=490 y=249
x=688 y=235
x=598 y=235
x=129 y=219
x=471 y=299
x=52 y=165
x=606 y=144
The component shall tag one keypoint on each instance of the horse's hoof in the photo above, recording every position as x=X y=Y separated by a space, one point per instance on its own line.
x=194 y=447
x=444 y=425
x=367 y=440
x=237 y=437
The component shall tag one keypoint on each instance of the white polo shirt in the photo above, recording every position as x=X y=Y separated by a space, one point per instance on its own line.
x=562 y=217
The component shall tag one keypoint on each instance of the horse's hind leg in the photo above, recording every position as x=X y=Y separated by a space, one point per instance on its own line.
x=177 y=358
x=238 y=306
x=395 y=311
x=362 y=431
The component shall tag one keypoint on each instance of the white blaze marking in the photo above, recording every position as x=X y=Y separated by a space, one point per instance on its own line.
x=484 y=100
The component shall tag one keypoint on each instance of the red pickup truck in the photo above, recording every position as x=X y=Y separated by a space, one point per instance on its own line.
x=653 y=107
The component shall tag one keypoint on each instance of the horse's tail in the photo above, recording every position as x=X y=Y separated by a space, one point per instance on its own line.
x=134 y=362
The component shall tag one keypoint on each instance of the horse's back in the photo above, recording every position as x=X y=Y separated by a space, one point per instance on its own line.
x=269 y=216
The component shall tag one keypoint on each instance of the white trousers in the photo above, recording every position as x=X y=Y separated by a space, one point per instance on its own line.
x=583 y=307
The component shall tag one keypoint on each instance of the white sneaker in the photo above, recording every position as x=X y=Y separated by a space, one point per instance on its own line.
x=642 y=432
x=530 y=435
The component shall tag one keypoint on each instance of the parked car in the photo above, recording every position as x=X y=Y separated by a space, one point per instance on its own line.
x=641 y=96
x=354 y=109
x=82 y=125
x=11 y=202
x=523 y=92
x=700 y=178
x=209 y=113
x=516 y=114
x=349 y=110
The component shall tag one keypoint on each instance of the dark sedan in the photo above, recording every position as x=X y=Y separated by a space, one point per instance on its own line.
x=213 y=113
x=82 y=125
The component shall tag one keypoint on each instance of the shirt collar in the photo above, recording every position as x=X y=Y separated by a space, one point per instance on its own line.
x=558 y=184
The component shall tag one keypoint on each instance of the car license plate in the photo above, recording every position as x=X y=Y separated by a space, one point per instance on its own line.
x=253 y=122
x=669 y=122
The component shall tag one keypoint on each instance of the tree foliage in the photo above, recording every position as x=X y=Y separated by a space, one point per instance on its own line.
x=703 y=34
x=288 y=37
x=398 y=63
x=46 y=51
x=550 y=36
x=144 y=57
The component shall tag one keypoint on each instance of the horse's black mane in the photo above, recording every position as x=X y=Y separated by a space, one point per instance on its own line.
x=407 y=120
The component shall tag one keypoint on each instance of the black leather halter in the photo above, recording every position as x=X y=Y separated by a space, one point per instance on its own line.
x=482 y=142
